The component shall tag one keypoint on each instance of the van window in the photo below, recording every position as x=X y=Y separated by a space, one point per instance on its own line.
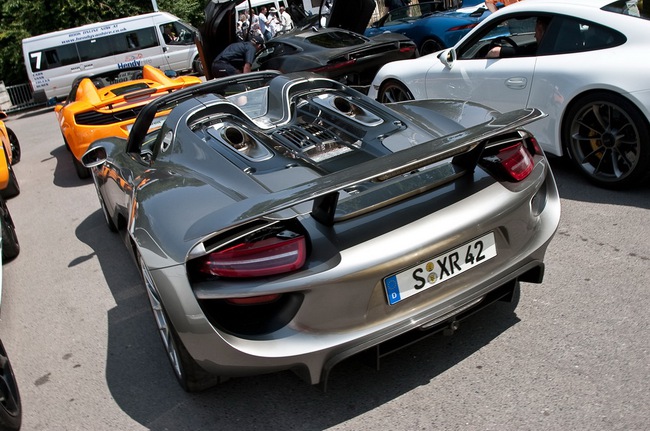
x=139 y=39
x=54 y=57
x=175 y=33
x=94 y=48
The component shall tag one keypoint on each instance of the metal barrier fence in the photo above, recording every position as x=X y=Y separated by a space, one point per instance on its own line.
x=18 y=97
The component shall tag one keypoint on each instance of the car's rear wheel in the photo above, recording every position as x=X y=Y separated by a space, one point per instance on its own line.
x=429 y=46
x=107 y=217
x=82 y=171
x=393 y=91
x=10 y=245
x=198 y=66
x=606 y=135
x=15 y=146
x=191 y=377
x=10 y=406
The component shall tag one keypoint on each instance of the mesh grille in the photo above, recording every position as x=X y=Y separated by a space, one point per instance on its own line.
x=305 y=136
x=94 y=118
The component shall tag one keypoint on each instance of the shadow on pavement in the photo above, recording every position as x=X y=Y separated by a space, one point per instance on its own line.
x=143 y=385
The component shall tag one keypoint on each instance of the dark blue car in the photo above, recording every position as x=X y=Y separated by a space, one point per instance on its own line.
x=430 y=26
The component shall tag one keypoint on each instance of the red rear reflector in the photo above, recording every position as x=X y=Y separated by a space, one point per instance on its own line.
x=269 y=256
x=254 y=300
x=517 y=161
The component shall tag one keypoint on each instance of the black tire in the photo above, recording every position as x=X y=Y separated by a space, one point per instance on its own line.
x=393 y=91
x=189 y=374
x=197 y=66
x=10 y=245
x=82 y=171
x=15 y=146
x=11 y=411
x=429 y=46
x=13 y=188
x=107 y=217
x=607 y=139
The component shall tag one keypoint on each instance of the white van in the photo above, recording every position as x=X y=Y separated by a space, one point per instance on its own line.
x=160 y=39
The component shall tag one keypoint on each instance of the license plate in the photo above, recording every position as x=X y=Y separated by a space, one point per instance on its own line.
x=439 y=269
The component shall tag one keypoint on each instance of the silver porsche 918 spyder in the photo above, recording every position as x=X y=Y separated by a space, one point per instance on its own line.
x=289 y=222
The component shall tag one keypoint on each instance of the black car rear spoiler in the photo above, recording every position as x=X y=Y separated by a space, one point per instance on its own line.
x=324 y=191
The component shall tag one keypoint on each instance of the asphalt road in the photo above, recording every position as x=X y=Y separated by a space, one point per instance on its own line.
x=573 y=355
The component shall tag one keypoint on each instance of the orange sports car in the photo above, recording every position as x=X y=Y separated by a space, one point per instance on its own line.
x=106 y=105
x=10 y=155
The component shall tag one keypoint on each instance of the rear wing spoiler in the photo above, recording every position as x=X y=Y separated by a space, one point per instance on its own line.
x=324 y=191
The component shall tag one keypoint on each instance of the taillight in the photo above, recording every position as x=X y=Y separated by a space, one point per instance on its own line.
x=333 y=66
x=277 y=254
x=517 y=161
x=463 y=27
x=513 y=162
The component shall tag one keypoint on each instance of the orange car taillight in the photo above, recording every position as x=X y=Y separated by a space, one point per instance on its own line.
x=269 y=256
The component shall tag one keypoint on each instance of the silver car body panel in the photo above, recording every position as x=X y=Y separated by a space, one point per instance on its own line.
x=174 y=213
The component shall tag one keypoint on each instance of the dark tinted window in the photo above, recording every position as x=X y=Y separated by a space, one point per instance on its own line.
x=54 y=57
x=133 y=40
x=571 y=35
x=94 y=48
x=561 y=35
x=336 y=39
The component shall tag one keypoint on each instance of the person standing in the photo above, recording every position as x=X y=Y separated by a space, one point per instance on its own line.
x=264 y=23
x=237 y=58
x=492 y=4
x=286 y=21
x=395 y=4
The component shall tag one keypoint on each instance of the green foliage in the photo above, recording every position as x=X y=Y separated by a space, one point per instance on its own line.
x=24 y=18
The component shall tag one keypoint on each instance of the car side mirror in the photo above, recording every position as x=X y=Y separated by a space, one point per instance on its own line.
x=448 y=57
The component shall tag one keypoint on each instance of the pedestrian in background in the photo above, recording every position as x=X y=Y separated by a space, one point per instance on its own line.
x=286 y=21
x=395 y=4
x=492 y=4
x=237 y=57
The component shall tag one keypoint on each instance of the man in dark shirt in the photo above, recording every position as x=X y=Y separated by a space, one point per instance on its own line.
x=237 y=57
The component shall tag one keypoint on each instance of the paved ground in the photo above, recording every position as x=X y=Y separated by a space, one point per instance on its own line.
x=573 y=355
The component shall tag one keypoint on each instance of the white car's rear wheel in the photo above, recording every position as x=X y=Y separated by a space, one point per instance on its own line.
x=605 y=135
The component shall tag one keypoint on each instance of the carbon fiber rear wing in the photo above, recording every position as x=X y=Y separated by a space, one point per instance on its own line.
x=324 y=191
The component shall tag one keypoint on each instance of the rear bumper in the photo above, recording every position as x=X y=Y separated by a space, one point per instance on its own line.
x=344 y=310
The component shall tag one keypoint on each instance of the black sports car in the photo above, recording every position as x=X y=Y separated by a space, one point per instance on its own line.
x=339 y=51
x=288 y=221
